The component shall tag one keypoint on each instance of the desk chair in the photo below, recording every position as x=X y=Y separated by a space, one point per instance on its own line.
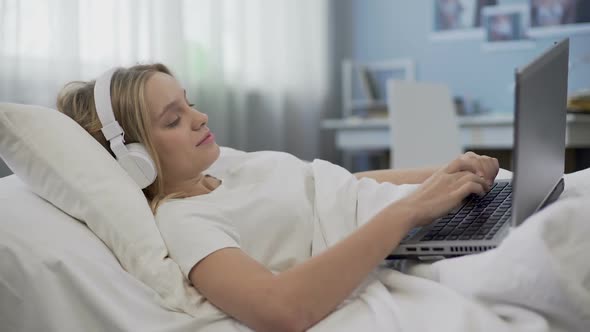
x=423 y=123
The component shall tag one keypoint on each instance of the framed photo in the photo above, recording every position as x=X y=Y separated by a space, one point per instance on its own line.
x=458 y=19
x=549 y=17
x=506 y=27
x=364 y=85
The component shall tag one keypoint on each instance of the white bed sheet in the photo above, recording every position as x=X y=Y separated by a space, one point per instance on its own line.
x=55 y=275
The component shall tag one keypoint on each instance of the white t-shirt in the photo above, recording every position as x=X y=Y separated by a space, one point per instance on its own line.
x=264 y=205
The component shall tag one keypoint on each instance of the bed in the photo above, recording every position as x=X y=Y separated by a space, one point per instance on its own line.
x=60 y=272
x=56 y=275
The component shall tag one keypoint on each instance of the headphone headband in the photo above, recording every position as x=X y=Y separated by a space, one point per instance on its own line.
x=104 y=109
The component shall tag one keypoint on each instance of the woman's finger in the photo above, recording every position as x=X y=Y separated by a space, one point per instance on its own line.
x=496 y=166
x=481 y=166
x=471 y=188
x=470 y=177
x=460 y=178
x=491 y=167
x=477 y=162
x=461 y=164
x=486 y=167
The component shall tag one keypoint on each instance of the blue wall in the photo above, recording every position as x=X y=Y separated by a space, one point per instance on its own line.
x=384 y=29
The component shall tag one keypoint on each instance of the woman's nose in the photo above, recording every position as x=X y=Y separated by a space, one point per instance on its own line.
x=199 y=120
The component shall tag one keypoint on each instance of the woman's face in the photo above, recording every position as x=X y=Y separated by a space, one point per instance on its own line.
x=185 y=145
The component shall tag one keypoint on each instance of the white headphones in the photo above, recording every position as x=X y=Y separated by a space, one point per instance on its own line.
x=133 y=157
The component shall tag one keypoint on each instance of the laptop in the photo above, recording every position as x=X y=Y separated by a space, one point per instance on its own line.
x=481 y=223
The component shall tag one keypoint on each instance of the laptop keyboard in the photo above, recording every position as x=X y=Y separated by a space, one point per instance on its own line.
x=478 y=219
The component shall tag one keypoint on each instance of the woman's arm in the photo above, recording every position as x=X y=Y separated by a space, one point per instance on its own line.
x=298 y=298
x=485 y=166
x=399 y=176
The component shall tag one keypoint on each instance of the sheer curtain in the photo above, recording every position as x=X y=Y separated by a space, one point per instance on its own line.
x=262 y=70
x=258 y=68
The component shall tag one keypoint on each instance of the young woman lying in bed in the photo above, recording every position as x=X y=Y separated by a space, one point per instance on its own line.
x=243 y=235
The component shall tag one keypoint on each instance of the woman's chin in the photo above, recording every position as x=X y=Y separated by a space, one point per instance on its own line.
x=217 y=150
x=214 y=153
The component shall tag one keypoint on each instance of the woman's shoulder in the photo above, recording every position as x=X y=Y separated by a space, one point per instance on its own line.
x=227 y=153
x=230 y=160
x=174 y=207
x=189 y=208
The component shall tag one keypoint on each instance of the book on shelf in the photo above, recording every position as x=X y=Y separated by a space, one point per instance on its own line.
x=368 y=83
x=579 y=102
x=369 y=108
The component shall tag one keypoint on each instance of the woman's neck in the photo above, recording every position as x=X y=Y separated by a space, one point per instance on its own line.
x=202 y=185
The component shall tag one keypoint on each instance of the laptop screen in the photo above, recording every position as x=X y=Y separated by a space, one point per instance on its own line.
x=539 y=130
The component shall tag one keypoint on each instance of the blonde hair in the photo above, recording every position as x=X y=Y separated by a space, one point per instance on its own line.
x=76 y=100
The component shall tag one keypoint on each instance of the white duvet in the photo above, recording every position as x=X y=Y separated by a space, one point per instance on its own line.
x=537 y=280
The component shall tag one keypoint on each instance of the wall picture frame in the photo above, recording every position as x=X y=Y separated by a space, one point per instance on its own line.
x=506 y=27
x=558 y=17
x=458 y=19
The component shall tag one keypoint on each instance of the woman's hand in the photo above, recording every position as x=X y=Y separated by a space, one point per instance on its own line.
x=486 y=167
x=447 y=187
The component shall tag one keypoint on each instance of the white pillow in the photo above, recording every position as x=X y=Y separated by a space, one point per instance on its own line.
x=63 y=164
x=56 y=275
x=577 y=184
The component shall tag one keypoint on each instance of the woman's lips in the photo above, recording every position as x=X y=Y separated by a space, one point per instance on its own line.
x=207 y=139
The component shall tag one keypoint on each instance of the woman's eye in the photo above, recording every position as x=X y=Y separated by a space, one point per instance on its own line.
x=174 y=123
x=191 y=105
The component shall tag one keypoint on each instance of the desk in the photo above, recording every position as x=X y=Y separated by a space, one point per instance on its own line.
x=477 y=132
x=491 y=132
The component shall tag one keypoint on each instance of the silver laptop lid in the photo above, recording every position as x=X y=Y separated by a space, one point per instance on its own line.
x=539 y=130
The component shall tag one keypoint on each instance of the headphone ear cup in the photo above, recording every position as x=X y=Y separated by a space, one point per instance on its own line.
x=141 y=158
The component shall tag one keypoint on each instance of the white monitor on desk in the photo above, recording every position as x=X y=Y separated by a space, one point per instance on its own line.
x=424 y=124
